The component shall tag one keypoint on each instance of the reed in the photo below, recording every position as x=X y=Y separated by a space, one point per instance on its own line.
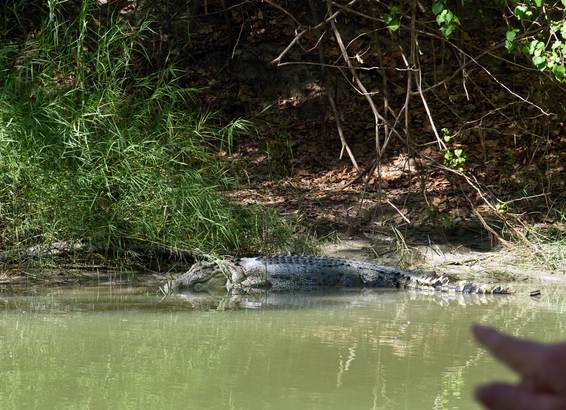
x=92 y=149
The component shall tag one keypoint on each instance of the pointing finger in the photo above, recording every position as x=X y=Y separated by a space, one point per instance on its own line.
x=521 y=355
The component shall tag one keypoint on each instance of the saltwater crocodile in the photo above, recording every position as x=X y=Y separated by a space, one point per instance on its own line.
x=307 y=273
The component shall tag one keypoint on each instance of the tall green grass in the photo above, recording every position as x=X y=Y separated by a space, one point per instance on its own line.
x=91 y=149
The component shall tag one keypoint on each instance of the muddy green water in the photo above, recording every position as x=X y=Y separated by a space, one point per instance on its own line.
x=129 y=349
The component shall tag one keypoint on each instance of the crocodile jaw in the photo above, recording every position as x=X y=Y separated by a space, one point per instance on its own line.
x=202 y=276
x=217 y=282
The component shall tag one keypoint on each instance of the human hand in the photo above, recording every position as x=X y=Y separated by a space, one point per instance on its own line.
x=542 y=367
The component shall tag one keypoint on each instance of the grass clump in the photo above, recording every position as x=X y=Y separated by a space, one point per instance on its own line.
x=92 y=149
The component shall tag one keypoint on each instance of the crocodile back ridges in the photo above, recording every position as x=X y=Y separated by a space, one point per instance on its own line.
x=323 y=262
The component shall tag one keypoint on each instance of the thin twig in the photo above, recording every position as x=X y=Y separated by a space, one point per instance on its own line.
x=428 y=113
x=362 y=88
x=398 y=211
x=330 y=96
x=341 y=133
x=302 y=33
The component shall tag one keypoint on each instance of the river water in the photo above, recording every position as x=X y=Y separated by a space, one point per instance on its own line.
x=128 y=348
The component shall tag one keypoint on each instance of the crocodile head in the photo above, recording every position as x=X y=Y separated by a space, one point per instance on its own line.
x=203 y=276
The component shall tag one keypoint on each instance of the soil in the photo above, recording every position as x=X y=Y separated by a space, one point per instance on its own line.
x=514 y=266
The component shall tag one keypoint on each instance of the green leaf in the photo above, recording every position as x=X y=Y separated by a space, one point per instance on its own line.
x=538 y=3
x=539 y=48
x=445 y=17
x=539 y=62
x=501 y=207
x=447 y=29
x=438 y=7
x=394 y=10
x=533 y=46
x=559 y=72
x=520 y=11
x=446 y=222
x=388 y=18
x=510 y=36
x=394 y=25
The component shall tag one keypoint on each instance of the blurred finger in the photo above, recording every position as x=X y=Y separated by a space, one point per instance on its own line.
x=523 y=356
x=505 y=397
x=526 y=384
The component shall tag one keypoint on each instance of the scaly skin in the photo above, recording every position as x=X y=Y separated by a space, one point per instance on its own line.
x=307 y=273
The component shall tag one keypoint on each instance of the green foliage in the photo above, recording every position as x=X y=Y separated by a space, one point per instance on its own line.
x=501 y=207
x=547 y=47
x=453 y=159
x=390 y=20
x=445 y=18
x=509 y=37
x=90 y=150
x=523 y=11
x=443 y=220
x=446 y=134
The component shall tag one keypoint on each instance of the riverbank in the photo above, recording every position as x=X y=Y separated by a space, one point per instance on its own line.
x=516 y=265
x=538 y=265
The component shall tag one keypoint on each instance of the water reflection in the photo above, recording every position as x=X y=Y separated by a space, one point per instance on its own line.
x=130 y=348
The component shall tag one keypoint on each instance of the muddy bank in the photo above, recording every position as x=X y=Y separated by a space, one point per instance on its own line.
x=519 y=265
x=539 y=264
